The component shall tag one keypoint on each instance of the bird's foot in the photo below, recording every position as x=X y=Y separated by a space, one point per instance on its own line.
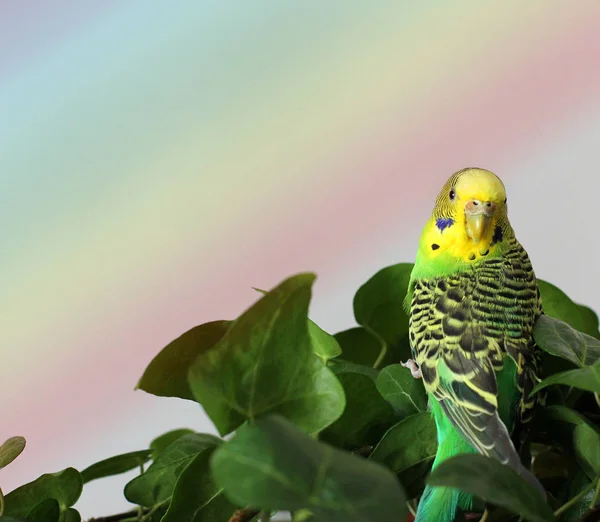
x=413 y=367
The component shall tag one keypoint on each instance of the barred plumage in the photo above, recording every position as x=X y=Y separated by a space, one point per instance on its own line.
x=471 y=320
x=474 y=300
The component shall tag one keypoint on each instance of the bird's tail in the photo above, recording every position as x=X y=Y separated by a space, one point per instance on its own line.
x=440 y=504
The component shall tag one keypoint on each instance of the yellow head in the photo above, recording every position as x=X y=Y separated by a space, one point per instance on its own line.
x=469 y=221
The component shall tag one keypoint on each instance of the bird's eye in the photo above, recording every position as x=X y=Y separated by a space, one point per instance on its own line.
x=452 y=194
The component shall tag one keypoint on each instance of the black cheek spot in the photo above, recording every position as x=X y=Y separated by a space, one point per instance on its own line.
x=485 y=252
x=435 y=246
x=498 y=236
x=471 y=256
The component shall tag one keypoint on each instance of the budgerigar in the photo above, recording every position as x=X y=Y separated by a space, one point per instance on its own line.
x=473 y=300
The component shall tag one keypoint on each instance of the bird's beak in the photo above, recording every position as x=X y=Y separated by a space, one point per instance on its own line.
x=479 y=216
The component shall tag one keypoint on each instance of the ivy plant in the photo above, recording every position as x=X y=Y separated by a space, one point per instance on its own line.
x=330 y=427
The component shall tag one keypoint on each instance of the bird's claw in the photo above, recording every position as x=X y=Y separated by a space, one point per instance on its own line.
x=413 y=367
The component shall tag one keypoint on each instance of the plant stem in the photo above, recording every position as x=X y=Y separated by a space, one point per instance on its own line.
x=265 y=516
x=574 y=500
x=153 y=510
x=596 y=495
x=120 y=517
x=382 y=353
x=411 y=509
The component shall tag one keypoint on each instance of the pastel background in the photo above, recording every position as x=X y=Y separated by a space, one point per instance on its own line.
x=159 y=158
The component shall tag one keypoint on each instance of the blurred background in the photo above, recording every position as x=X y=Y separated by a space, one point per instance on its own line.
x=158 y=159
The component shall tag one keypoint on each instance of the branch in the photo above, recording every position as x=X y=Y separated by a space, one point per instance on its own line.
x=244 y=515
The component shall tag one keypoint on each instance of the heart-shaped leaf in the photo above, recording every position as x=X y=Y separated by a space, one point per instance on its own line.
x=324 y=345
x=587 y=449
x=366 y=415
x=498 y=484
x=64 y=486
x=590 y=320
x=162 y=442
x=405 y=393
x=284 y=469
x=46 y=511
x=70 y=515
x=116 y=465
x=360 y=347
x=559 y=339
x=156 y=484
x=410 y=442
x=408 y=448
x=166 y=375
x=559 y=305
x=379 y=306
x=265 y=363
x=10 y=450
x=587 y=378
x=196 y=497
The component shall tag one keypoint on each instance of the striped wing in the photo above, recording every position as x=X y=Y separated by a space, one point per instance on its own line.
x=461 y=328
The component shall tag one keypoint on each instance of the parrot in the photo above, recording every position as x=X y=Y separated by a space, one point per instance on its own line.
x=472 y=302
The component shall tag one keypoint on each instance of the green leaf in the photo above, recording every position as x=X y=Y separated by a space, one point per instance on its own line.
x=10 y=450
x=407 y=444
x=284 y=469
x=156 y=484
x=587 y=449
x=559 y=339
x=64 y=486
x=162 y=442
x=324 y=345
x=196 y=497
x=587 y=378
x=559 y=305
x=70 y=515
x=560 y=413
x=116 y=465
x=406 y=394
x=556 y=424
x=408 y=449
x=166 y=375
x=366 y=415
x=578 y=483
x=359 y=346
x=551 y=464
x=265 y=363
x=498 y=484
x=46 y=511
x=379 y=306
x=591 y=321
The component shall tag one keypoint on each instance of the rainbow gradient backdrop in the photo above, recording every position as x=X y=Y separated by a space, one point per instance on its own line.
x=158 y=158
